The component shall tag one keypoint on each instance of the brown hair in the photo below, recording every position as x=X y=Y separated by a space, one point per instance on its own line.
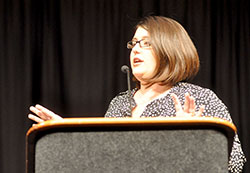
x=177 y=57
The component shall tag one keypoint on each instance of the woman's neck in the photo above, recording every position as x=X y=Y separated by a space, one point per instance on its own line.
x=148 y=93
x=154 y=88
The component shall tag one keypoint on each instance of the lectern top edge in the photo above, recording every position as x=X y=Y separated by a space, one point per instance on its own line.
x=87 y=122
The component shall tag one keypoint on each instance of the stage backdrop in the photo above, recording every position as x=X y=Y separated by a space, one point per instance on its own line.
x=67 y=54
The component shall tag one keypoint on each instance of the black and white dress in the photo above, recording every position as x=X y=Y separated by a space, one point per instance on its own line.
x=164 y=106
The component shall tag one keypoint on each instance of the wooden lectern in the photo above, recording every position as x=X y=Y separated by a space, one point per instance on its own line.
x=148 y=145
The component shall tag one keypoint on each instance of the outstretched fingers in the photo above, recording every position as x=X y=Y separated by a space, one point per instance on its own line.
x=35 y=118
x=48 y=113
x=42 y=114
x=177 y=102
x=201 y=110
x=189 y=107
x=45 y=112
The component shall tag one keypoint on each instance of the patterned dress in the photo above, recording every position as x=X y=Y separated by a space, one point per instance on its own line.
x=164 y=106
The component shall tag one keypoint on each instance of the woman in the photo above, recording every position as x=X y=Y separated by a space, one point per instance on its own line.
x=163 y=56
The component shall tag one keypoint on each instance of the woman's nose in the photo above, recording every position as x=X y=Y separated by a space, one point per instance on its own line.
x=136 y=48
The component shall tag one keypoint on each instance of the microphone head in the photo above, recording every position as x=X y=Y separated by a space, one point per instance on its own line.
x=125 y=69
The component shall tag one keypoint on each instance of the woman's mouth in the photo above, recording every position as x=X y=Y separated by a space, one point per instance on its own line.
x=137 y=61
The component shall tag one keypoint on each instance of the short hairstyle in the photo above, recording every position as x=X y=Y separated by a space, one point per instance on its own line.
x=176 y=56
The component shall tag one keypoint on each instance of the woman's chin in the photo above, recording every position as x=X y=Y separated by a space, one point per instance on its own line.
x=141 y=77
x=137 y=75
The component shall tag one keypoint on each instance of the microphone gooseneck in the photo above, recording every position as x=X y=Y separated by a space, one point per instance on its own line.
x=125 y=69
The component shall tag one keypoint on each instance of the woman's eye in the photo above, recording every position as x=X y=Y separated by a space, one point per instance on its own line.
x=146 y=43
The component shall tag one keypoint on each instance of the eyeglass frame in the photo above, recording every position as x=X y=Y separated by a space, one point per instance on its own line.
x=131 y=46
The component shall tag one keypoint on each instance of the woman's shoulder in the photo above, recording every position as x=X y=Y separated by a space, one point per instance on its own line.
x=120 y=104
x=126 y=93
x=185 y=87
x=123 y=96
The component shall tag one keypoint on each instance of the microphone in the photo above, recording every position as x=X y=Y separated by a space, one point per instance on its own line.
x=125 y=69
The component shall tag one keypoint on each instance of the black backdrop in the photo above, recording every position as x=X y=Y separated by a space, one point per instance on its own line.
x=67 y=54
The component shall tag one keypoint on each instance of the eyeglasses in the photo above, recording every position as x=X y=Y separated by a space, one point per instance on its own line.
x=143 y=43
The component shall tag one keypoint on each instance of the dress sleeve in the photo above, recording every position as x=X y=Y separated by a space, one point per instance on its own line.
x=237 y=157
x=215 y=107
x=113 y=110
x=119 y=106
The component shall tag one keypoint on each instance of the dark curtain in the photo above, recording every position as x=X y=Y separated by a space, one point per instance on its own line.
x=67 y=54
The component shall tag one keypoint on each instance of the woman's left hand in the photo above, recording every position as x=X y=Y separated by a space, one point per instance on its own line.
x=189 y=106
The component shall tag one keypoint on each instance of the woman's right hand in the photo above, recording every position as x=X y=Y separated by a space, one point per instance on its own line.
x=42 y=114
x=189 y=108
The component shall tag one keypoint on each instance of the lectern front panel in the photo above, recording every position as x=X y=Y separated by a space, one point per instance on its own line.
x=147 y=151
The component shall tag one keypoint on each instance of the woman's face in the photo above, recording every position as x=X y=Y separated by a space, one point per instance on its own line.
x=142 y=59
